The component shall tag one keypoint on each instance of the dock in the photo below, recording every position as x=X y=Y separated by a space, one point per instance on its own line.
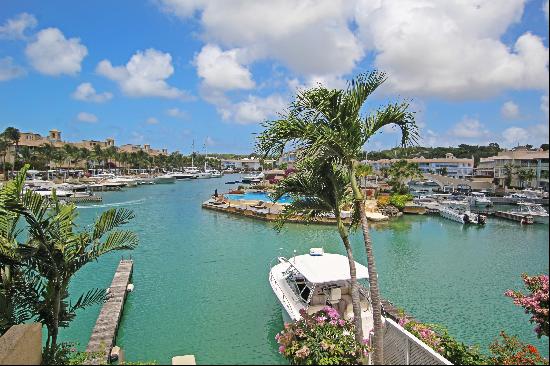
x=83 y=199
x=105 y=330
x=524 y=219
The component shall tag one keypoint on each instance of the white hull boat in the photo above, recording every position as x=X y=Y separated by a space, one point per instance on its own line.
x=203 y=175
x=252 y=178
x=479 y=200
x=539 y=214
x=463 y=217
x=313 y=281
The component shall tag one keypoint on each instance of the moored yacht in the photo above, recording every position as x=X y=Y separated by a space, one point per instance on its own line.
x=312 y=281
x=535 y=210
x=214 y=173
x=463 y=216
x=253 y=177
x=165 y=179
x=479 y=199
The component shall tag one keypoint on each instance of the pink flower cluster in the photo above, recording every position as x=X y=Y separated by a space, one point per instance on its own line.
x=535 y=303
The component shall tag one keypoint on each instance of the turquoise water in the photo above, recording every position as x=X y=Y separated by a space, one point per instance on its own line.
x=201 y=276
x=260 y=196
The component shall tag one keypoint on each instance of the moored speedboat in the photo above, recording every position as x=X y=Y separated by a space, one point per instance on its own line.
x=312 y=281
x=214 y=173
x=252 y=178
x=461 y=216
x=535 y=210
x=480 y=200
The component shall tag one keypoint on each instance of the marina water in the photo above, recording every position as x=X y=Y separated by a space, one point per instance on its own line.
x=201 y=276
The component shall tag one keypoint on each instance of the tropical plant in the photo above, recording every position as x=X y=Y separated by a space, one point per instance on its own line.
x=438 y=339
x=328 y=125
x=399 y=200
x=321 y=339
x=401 y=171
x=317 y=189
x=363 y=171
x=59 y=251
x=512 y=351
x=535 y=303
x=508 y=174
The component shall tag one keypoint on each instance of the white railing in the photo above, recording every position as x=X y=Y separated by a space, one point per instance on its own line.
x=403 y=348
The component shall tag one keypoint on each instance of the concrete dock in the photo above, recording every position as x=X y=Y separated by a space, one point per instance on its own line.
x=105 y=330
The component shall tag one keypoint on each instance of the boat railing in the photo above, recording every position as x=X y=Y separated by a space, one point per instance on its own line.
x=284 y=298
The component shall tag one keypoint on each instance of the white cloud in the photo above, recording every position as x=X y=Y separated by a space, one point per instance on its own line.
x=152 y=121
x=176 y=113
x=311 y=38
x=9 y=70
x=515 y=136
x=15 y=28
x=452 y=48
x=544 y=104
x=510 y=110
x=535 y=135
x=221 y=69
x=144 y=75
x=87 y=93
x=87 y=117
x=253 y=110
x=469 y=128
x=53 y=54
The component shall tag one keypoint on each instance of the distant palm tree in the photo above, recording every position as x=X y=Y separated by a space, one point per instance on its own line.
x=319 y=188
x=363 y=171
x=529 y=176
x=327 y=124
x=509 y=174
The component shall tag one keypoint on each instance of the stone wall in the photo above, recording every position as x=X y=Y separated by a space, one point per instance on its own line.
x=22 y=345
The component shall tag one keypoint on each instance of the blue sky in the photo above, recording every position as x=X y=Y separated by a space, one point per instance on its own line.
x=165 y=72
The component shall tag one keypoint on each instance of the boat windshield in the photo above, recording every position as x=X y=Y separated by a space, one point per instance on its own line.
x=299 y=285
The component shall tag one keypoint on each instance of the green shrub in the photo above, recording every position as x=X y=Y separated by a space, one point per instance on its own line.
x=399 y=200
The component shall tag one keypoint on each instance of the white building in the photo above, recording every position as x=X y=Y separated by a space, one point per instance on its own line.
x=449 y=165
x=246 y=164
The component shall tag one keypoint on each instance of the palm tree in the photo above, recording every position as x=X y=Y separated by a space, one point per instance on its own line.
x=363 y=171
x=319 y=188
x=529 y=176
x=27 y=155
x=47 y=152
x=400 y=172
x=59 y=252
x=509 y=174
x=328 y=124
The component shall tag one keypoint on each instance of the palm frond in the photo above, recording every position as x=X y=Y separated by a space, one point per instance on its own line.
x=110 y=220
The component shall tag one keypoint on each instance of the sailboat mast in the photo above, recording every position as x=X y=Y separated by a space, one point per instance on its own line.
x=192 y=153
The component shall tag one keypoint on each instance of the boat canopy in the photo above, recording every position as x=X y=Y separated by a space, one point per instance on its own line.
x=326 y=268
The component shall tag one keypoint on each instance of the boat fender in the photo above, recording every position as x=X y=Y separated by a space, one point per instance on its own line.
x=130 y=287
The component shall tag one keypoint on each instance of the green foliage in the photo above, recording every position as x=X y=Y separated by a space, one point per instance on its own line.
x=512 y=351
x=401 y=171
x=54 y=251
x=399 y=200
x=462 y=151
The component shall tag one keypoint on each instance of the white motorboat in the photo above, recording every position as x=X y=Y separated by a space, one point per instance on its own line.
x=214 y=173
x=48 y=191
x=191 y=172
x=182 y=175
x=456 y=204
x=312 y=281
x=204 y=175
x=165 y=179
x=479 y=199
x=127 y=182
x=252 y=178
x=533 y=209
x=461 y=216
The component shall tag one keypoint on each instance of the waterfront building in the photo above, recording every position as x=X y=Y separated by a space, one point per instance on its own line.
x=518 y=159
x=34 y=140
x=449 y=165
x=246 y=164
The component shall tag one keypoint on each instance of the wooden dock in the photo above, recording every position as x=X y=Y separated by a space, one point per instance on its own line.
x=105 y=330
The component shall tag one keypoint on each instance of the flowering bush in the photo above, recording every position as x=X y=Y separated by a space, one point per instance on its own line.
x=514 y=352
x=535 y=303
x=321 y=339
x=438 y=339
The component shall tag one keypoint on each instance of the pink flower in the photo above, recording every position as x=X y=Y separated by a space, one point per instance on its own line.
x=282 y=349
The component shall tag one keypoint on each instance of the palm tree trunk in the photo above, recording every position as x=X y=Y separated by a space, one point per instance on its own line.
x=355 y=299
x=378 y=340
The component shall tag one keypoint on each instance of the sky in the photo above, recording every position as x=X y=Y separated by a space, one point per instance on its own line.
x=170 y=72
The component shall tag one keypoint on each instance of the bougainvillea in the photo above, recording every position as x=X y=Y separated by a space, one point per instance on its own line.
x=322 y=338
x=514 y=352
x=535 y=303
